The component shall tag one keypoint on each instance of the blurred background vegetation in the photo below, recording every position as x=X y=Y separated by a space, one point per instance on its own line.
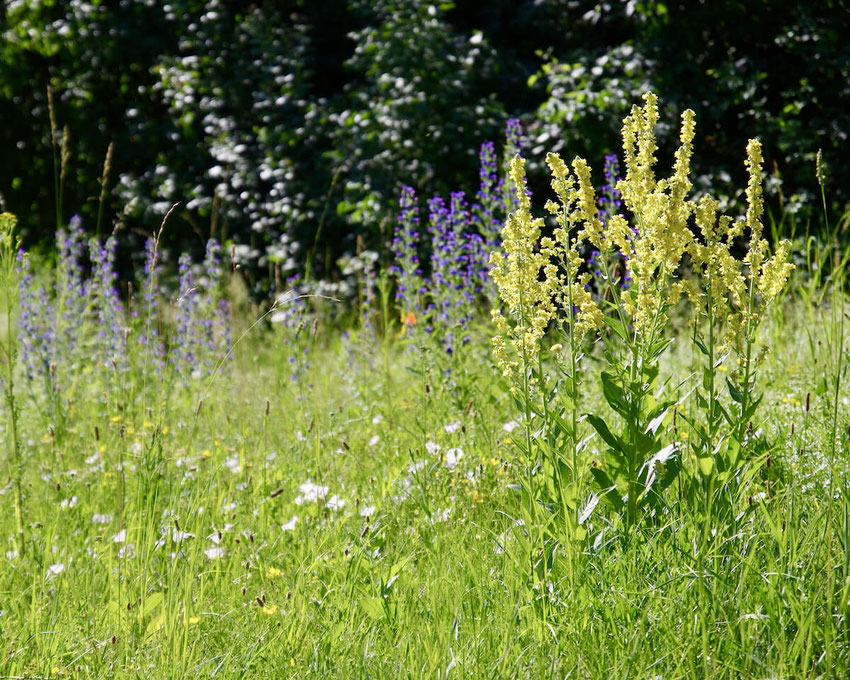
x=271 y=120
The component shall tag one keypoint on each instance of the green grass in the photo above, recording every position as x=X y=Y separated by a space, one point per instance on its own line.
x=423 y=571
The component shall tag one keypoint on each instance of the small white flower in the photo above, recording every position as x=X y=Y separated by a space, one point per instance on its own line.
x=101 y=519
x=127 y=551
x=335 y=502
x=510 y=426
x=178 y=536
x=120 y=537
x=367 y=511
x=441 y=515
x=215 y=553
x=68 y=503
x=310 y=493
x=55 y=569
x=451 y=428
x=233 y=464
x=374 y=440
x=12 y=555
x=416 y=467
x=506 y=536
x=432 y=448
x=452 y=458
x=377 y=420
x=290 y=525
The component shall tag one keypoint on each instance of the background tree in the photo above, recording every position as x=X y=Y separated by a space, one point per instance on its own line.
x=287 y=127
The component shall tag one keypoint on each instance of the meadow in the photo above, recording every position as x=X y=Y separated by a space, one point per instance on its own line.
x=612 y=444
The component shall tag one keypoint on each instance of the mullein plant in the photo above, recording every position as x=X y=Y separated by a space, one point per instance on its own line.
x=541 y=286
x=728 y=306
x=545 y=285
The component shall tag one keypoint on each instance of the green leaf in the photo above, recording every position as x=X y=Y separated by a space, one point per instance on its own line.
x=733 y=453
x=607 y=488
x=156 y=623
x=373 y=607
x=650 y=372
x=705 y=462
x=601 y=427
x=655 y=423
x=614 y=394
x=152 y=602
x=617 y=326
x=751 y=409
x=734 y=392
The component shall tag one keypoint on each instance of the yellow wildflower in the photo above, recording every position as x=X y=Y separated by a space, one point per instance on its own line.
x=661 y=211
x=516 y=272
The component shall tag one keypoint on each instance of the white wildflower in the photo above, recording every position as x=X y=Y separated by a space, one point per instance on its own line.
x=335 y=502
x=178 y=536
x=452 y=458
x=310 y=493
x=510 y=426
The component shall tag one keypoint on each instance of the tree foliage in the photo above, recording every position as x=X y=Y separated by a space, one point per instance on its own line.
x=276 y=121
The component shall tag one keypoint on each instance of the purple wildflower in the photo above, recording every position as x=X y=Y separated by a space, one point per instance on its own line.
x=36 y=329
x=490 y=205
x=107 y=309
x=202 y=336
x=407 y=269
x=151 y=344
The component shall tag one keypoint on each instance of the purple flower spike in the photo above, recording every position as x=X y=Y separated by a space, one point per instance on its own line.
x=407 y=268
